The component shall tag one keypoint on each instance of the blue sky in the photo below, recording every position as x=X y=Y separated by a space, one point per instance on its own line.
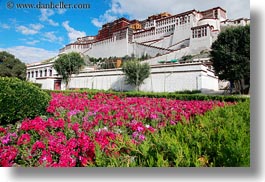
x=34 y=35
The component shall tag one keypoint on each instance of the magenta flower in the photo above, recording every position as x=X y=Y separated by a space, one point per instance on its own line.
x=141 y=137
x=23 y=139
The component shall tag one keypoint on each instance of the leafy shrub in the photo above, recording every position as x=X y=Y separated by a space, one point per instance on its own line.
x=135 y=72
x=182 y=95
x=37 y=84
x=20 y=99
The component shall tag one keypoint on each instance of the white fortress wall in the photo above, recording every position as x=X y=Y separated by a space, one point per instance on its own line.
x=75 y=48
x=100 y=79
x=140 y=49
x=182 y=28
x=201 y=38
x=166 y=78
x=209 y=81
x=200 y=44
x=212 y=22
x=166 y=42
x=46 y=83
x=110 y=47
x=167 y=57
x=181 y=44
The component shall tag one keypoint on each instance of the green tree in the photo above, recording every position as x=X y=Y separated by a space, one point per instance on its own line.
x=11 y=66
x=68 y=64
x=231 y=56
x=135 y=72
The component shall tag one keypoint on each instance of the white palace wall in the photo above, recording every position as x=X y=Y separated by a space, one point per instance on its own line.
x=166 y=78
x=110 y=47
x=169 y=56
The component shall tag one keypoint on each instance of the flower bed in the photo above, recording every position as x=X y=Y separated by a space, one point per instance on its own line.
x=78 y=126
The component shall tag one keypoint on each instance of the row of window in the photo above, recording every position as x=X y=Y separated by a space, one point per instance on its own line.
x=199 y=32
x=168 y=28
x=144 y=34
x=165 y=29
x=178 y=20
x=39 y=73
x=149 y=24
x=104 y=41
x=84 y=46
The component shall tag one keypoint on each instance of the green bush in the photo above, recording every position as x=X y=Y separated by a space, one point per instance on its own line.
x=20 y=99
x=184 y=95
x=37 y=84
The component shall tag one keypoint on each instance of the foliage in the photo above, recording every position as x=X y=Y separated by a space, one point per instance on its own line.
x=186 y=58
x=144 y=57
x=68 y=64
x=185 y=95
x=20 y=99
x=11 y=66
x=37 y=84
x=231 y=55
x=135 y=72
x=110 y=63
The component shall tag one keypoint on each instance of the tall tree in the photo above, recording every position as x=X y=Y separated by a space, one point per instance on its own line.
x=135 y=72
x=231 y=56
x=11 y=66
x=68 y=64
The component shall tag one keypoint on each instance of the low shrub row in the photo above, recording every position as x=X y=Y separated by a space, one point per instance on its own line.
x=186 y=95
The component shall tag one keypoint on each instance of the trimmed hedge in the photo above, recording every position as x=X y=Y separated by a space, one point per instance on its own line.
x=20 y=99
x=170 y=95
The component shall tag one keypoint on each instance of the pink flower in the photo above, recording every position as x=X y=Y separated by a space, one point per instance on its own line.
x=2 y=130
x=141 y=137
x=37 y=145
x=23 y=139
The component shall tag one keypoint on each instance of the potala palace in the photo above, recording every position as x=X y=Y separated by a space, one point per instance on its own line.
x=165 y=38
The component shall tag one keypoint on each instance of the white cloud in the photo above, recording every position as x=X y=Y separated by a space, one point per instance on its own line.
x=136 y=9
x=61 y=11
x=30 y=54
x=36 y=26
x=44 y=17
x=33 y=42
x=31 y=30
x=72 y=33
x=4 y=26
x=51 y=37
x=109 y=16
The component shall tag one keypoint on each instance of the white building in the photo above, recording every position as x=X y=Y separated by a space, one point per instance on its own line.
x=163 y=37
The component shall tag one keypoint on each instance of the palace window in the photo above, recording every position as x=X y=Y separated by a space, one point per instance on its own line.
x=45 y=72
x=28 y=74
x=50 y=74
x=32 y=74
x=199 y=33
x=216 y=14
x=40 y=73
x=36 y=74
